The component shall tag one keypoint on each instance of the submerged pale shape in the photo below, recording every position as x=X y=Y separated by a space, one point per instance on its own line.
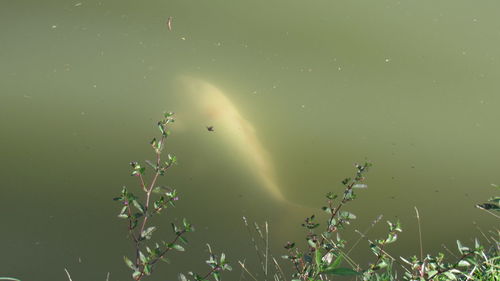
x=218 y=110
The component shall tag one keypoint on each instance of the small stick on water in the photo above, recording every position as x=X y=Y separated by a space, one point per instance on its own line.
x=67 y=273
x=107 y=277
x=169 y=23
x=419 y=235
x=244 y=268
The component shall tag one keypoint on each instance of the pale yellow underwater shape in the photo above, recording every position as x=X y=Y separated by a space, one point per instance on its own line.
x=218 y=110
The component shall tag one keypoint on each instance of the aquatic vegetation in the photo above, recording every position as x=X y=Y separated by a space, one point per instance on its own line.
x=325 y=250
x=324 y=256
x=156 y=199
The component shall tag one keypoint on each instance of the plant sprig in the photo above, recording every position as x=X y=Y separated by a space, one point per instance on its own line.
x=324 y=255
x=137 y=212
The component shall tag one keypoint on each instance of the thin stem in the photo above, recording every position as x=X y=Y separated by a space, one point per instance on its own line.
x=337 y=209
x=130 y=229
x=161 y=255
x=491 y=213
x=143 y=185
x=67 y=273
x=419 y=234
x=279 y=268
x=244 y=268
x=256 y=246
x=168 y=248
x=210 y=272
x=267 y=245
x=148 y=191
x=363 y=235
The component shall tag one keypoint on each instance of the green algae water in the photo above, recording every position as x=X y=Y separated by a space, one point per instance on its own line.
x=318 y=86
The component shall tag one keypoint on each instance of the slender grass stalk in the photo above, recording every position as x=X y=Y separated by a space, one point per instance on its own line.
x=363 y=235
x=242 y=272
x=481 y=231
x=267 y=246
x=449 y=251
x=246 y=270
x=256 y=246
x=419 y=235
x=278 y=268
x=491 y=213
x=67 y=273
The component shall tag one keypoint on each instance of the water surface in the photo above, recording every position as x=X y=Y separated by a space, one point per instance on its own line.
x=410 y=86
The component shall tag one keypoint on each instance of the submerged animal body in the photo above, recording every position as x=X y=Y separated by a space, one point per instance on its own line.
x=238 y=132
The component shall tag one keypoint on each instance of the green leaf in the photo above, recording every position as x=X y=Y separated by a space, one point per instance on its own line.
x=178 y=247
x=335 y=263
x=450 y=275
x=136 y=274
x=347 y=215
x=148 y=232
x=380 y=265
x=342 y=271
x=139 y=206
x=142 y=257
x=183 y=240
x=175 y=228
x=317 y=258
x=182 y=277
x=216 y=275
x=162 y=129
x=311 y=243
x=463 y=263
x=391 y=238
x=129 y=263
x=461 y=248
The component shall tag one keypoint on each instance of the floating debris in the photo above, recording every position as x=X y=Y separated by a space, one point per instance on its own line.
x=211 y=128
x=169 y=23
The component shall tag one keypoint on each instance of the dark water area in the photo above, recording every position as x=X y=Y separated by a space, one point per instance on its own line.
x=297 y=93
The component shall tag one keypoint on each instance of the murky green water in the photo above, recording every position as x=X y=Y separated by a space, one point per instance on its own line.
x=411 y=86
